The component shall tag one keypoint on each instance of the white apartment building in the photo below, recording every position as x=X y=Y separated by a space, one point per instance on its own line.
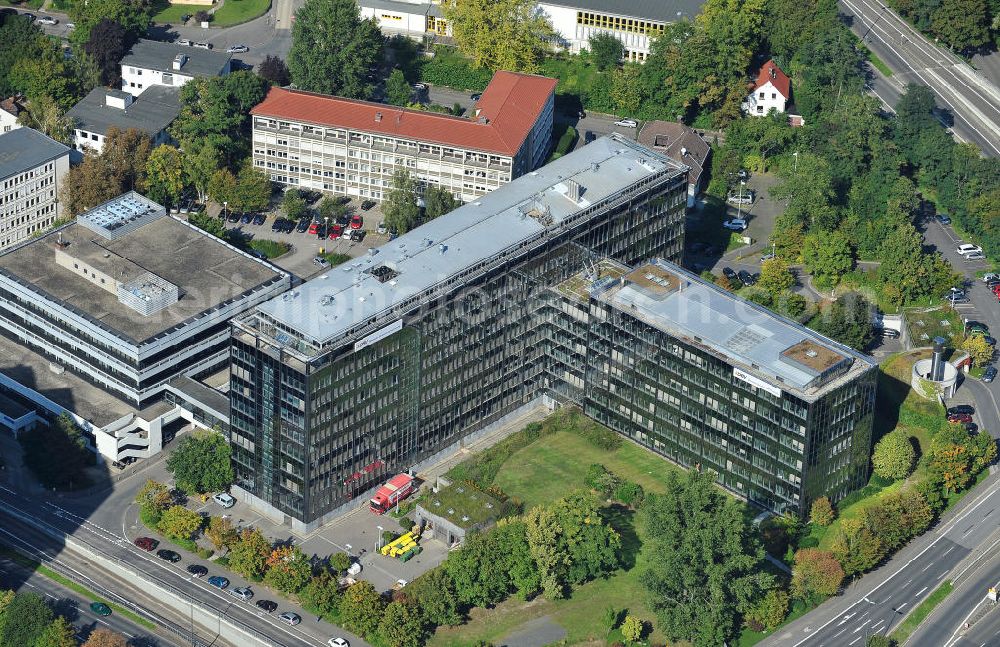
x=770 y=91
x=103 y=109
x=413 y=18
x=353 y=147
x=32 y=168
x=152 y=62
x=10 y=108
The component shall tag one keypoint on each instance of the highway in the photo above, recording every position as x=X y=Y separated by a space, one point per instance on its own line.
x=43 y=524
x=973 y=101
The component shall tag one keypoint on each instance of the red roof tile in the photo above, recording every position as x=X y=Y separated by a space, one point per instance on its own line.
x=510 y=105
x=770 y=72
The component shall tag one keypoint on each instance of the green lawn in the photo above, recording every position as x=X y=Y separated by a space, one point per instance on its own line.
x=554 y=466
x=172 y=13
x=878 y=64
x=234 y=12
x=910 y=624
x=940 y=322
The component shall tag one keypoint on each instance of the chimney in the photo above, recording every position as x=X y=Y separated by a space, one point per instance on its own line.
x=684 y=151
x=118 y=99
x=773 y=73
x=573 y=190
x=937 y=362
x=179 y=61
x=378 y=117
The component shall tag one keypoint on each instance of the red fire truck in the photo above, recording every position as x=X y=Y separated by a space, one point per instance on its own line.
x=395 y=490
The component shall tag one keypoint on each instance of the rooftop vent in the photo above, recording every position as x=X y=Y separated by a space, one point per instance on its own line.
x=460 y=490
x=451 y=510
x=378 y=117
x=684 y=151
x=441 y=248
x=383 y=273
x=465 y=517
x=811 y=353
x=595 y=167
x=179 y=61
x=483 y=121
x=574 y=190
x=773 y=73
x=118 y=99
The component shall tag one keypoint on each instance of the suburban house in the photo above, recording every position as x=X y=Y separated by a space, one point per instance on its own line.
x=103 y=109
x=770 y=91
x=32 y=167
x=681 y=144
x=151 y=63
x=10 y=109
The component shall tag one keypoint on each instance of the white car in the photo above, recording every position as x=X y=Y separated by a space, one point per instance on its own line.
x=71 y=25
x=992 y=276
x=186 y=42
x=745 y=197
x=975 y=256
x=47 y=20
x=338 y=642
x=627 y=123
x=966 y=248
x=237 y=49
x=354 y=568
x=736 y=224
x=224 y=499
x=419 y=87
x=203 y=45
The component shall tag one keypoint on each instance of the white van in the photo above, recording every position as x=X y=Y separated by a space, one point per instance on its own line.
x=966 y=248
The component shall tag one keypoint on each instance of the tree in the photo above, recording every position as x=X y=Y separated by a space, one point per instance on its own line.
x=856 y=547
x=253 y=189
x=215 y=113
x=273 y=69
x=438 y=201
x=434 y=592
x=107 y=45
x=201 y=462
x=249 y=555
x=340 y=562
x=165 y=175
x=222 y=187
x=331 y=208
x=59 y=633
x=45 y=73
x=492 y=564
x=606 y=50
x=400 y=206
x=827 y=256
x=288 y=569
x=769 y=612
x=822 y=512
x=48 y=117
x=294 y=204
x=134 y=17
x=500 y=34
x=19 y=38
x=893 y=456
x=402 y=626
x=361 y=608
x=333 y=48
x=180 y=523
x=201 y=161
x=963 y=24
x=121 y=167
x=775 y=277
x=977 y=348
x=848 y=320
x=221 y=533
x=709 y=560
x=626 y=90
x=57 y=454
x=101 y=637
x=816 y=574
x=322 y=593
x=632 y=629
x=154 y=496
x=397 y=89
x=878 y=640
x=24 y=620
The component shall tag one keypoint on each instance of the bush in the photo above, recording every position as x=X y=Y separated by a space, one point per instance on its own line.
x=205 y=553
x=187 y=544
x=450 y=68
x=202 y=16
x=270 y=248
x=150 y=517
x=629 y=493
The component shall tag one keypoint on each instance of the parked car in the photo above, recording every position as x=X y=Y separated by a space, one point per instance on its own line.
x=224 y=499
x=71 y=25
x=246 y=218
x=890 y=333
x=218 y=582
x=990 y=340
x=29 y=16
x=243 y=593
x=943 y=219
x=321 y=231
x=961 y=408
x=100 y=608
x=971 y=427
x=47 y=20
x=743 y=174
x=303 y=225
x=203 y=45
x=977 y=325
x=357 y=235
x=146 y=543
x=336 y=231
x=237 y=49
x=966 y=248
x=310 y=196
x=992 y=283
x=746 y=277
x=267 y=606
x=588 y=136
x=259 y=219
x=419 y=87
x=381 y=228
x=322 y=262
x=290 y=618
x=354 y=568
x=768 y=256
x=627 y=123
x=735 y=224
x=991 y=276
x=288 y=226
x=954 y=293
x=168 y=555
x=234 y=217
x=975 y=256
x=741 y=197
x=314 y=227
x=959 y=418
x=186 y=42
x=476 y=96
x=729 y=273
x=197 y=570
x=367 y=204
x=357 y=222
x=343 y=220
x=989 y=374
x=338 y=642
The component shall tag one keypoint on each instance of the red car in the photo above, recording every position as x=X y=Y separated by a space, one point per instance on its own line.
x=960 y=417
x=336 y=231
x=313 y=228
x=146 y=543
x=357 y=222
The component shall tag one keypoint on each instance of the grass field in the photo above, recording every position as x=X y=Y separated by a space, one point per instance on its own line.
x=878 y=64
x=913 y=621
x=234 y=12
x=562 y=458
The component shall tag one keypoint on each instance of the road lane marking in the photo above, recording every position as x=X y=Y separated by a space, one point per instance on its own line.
x=943 y=573
x=861 y=626
x=988 y=513
x=948 y=551
x=919 y=592
x=900 y=607
x=968 y=530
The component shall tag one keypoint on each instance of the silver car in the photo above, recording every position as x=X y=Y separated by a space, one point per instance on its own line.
x=244 y=593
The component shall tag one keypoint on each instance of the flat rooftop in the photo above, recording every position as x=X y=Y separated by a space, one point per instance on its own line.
x=157 y=55
x=435 y=254
x=660 y=10
x=151 y=112
x=757 y=340
x=207 y=272
x=23 y=149
x=462 y=505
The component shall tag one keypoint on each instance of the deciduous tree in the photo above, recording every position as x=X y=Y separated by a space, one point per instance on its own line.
x=893 y=456
x=769 y=612
x=253 y=189
x=288 y=569
x=856 y=547
x=24 y=620
x=848 y=320
x=248 y=556
x=165 y=175
x=107 y=45
x=132 y=15
x=400 y=205
x=438 y=201
x=397 y=90
x=362 y=608
x=435 y=592
x=977 y=348
x=221 y=533
x=222 y=187
x=178 y=522
x=201 y=462
x=154 y=495
x=962 y=24
x=274 y=70
x=294 y=204
x=822 y=512
x=402 y=625
x=323 y=593
x=101 y=637
x=632 y=629
x=500 y=34
x=775 y=277
x=48 y=117
x=340 y=561
x=333 y=48
x=606 y=50
x=215 y=112
x=59 y=633
x=816 y=574
x=626 y=91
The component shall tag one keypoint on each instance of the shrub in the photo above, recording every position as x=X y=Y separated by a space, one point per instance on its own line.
x=629 y=493
x=270 y=248
x=150 y=517
x=893 y=456
x=822 y=512
x=450 y=68
x=202 y=16
x=205 y=553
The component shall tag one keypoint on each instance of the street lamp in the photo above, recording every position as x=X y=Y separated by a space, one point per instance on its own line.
x=378 y=538
x=739 y=203
x=225 y=209
x=795 y=165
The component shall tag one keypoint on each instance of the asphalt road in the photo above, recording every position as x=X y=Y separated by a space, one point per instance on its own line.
x=972 y=99
x=75 y=607
x=49 y=522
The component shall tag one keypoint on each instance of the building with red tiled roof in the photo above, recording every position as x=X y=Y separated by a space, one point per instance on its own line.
x=351 y=147
x=10 y=109
x=771 y=90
